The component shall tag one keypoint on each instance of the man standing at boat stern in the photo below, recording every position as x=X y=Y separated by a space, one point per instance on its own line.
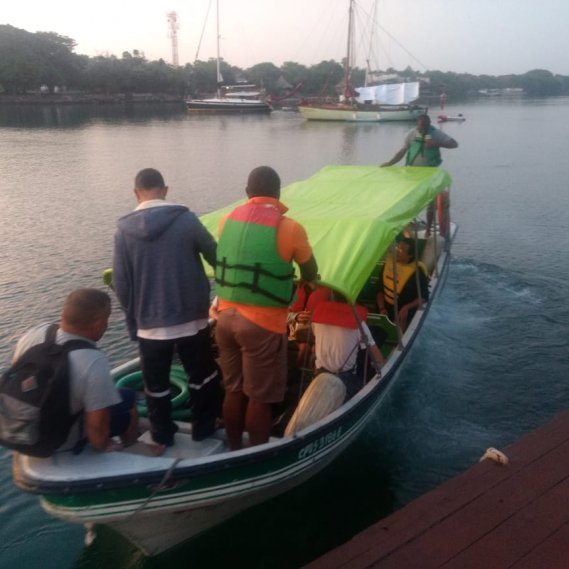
x=254 y=285
x=422 y=147
x=161 y=284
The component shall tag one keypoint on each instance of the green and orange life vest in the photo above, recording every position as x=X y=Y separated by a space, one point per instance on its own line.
x=249 y=269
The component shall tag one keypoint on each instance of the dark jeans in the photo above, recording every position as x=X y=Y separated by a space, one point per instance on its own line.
x=120 y=413
x=196 y=354
x=120 y=418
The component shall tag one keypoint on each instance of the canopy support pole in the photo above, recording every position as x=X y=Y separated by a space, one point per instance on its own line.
x=396 y=297
x=363 y=335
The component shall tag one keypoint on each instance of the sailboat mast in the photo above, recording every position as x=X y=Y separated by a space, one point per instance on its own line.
x=218 y=69
x=348 y=63
x=371 y=46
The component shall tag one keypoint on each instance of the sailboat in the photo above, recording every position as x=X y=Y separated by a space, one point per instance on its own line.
x=374 y=103
x=241 y=98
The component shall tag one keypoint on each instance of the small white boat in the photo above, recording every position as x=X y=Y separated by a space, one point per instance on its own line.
x=158 y=502
x=451 y=118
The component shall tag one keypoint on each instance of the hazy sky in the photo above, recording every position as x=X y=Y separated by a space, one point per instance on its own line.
x=474 y=36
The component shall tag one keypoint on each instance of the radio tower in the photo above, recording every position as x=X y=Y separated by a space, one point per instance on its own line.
x=173 y=35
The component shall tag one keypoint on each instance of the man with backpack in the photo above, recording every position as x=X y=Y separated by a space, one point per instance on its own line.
x=62 y=384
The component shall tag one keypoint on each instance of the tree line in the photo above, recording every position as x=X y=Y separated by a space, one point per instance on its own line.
x=29 y=61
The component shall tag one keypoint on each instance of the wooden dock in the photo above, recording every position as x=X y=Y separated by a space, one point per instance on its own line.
x=492 y=516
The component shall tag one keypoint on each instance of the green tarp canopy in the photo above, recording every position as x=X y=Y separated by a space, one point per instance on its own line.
x=352 y=214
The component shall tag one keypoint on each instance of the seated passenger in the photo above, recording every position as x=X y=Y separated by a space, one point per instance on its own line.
x=338 y=341
x=103 y=411
x=408 y=297
x=308 y=295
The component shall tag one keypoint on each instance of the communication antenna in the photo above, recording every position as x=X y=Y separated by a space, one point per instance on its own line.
x=173 y=35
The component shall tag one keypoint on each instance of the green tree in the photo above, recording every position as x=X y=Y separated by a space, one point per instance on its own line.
x=102 y=75
x=293 y=72
x=323 y=78
x=540 y=82
x=59 y=65
x=265 y=75
x=29 y=60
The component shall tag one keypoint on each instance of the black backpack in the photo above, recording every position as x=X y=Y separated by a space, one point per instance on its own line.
x=35 y=414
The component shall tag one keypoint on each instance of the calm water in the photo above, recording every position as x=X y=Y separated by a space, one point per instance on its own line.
x=492 y=362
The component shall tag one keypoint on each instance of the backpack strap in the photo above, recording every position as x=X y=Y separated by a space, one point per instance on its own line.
x=69 y=346
x=51 y=333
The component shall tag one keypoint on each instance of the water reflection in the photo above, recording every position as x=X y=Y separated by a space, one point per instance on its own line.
x=72 y=116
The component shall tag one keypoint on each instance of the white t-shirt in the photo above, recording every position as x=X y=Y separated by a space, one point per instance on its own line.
x=92 y=385
x=336 y=348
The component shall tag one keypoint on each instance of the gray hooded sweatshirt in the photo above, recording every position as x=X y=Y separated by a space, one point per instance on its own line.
x=158 y=275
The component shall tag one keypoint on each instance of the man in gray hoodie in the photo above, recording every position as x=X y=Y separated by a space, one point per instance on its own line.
x=161 y=284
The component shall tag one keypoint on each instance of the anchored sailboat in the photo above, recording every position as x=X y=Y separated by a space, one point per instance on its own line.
x=374 y=103
x=239 y=98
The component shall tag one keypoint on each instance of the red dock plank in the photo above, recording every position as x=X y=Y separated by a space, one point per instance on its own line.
x=491 y=516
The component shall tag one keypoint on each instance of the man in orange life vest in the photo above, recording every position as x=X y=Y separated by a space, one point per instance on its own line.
x=254 y=285
x=405 y=283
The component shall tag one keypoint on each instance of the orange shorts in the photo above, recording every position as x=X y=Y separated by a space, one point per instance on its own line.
x=252 y=359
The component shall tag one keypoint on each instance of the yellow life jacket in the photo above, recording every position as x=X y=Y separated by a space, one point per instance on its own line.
x=404 y=273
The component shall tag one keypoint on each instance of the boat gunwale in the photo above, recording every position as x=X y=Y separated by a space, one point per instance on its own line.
x=213 y=463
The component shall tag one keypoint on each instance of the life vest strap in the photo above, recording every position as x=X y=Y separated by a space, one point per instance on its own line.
x=257 y=271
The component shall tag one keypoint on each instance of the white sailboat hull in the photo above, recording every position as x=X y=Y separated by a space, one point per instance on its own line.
x=228 y=105
x=338 y=114
x=408 y=114
x=341 y=113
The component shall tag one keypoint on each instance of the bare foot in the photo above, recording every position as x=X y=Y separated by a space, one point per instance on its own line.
x=145 y=449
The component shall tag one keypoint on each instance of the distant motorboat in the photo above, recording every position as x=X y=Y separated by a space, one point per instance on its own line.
x=451 y=118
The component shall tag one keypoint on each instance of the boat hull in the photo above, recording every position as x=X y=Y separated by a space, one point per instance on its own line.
x=228 y=105
x=396 y=114
x=343 y=114
x=447 y=118
x=346 y=113
x=155 y=533
x=162 y=511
